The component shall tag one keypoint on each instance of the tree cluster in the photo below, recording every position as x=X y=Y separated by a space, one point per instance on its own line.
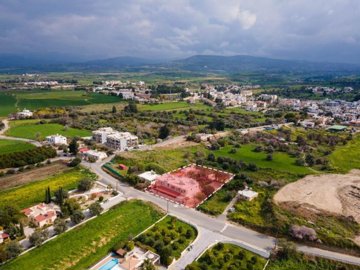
x=22 y=158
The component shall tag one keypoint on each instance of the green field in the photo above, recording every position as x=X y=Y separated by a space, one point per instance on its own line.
x=228 y=257
x=35 y=99
x=33 y=193
x=30 y=128
x=60 y=98
x=347 y=157
x=281 y=161
x=169 y=106
x=86 y=245
x=8 y=146
x=7 y=104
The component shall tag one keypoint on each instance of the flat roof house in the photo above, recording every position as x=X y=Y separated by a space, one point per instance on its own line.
x=57 y=139
x=93 y=154
x=101 y=134
x=247 y=194
x=24 y=114
x=149 y=176
x=115 y=139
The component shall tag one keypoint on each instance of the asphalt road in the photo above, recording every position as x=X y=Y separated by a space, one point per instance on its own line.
x=259 y=243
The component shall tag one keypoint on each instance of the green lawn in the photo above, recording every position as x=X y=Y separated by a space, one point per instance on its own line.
x=33 y=193
x=169 y=106
x=169 y=233
x=346 y=157
x=228 y=257
x=7 y=104
x=29 y=129
x=85 y=245
x=281 y=161
x=217 y=203
x=8 y=146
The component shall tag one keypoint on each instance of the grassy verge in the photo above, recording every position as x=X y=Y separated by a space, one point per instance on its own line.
x=30 y=129
x=168 y=238
x=8 y=146
x=346 y=157
x=228 y=257
x=85 y=245
x=30 y=194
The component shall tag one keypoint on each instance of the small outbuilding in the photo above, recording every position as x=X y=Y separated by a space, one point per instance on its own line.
x=149 y=176
x=247 y=194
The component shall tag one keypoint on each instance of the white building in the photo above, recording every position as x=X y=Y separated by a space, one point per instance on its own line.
x=101 y=134
x=149 y=176
x=115 y=139
x=24 y=114
x=94 y=154
x=56 y=139
x=122 y=141
x=247 y=194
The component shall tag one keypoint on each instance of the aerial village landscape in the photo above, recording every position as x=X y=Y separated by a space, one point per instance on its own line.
x=175 y=157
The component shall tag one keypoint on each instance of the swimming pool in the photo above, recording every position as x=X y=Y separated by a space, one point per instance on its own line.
x=109 y=265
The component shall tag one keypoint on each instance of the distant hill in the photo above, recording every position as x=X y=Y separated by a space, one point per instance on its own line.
x=198 y=63
x=244 y=63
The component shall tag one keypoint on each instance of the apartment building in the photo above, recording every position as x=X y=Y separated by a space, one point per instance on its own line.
x=114 y=139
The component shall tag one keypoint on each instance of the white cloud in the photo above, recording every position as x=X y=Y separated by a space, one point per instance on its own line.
x=315 y=30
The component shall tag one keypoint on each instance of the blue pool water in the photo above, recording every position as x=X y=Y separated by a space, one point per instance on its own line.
x=109 y=265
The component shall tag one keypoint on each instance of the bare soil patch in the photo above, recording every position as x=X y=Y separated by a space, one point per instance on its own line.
x=328 y=193
x=33 y=175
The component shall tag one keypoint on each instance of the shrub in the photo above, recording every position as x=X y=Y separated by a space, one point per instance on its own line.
x=60 y=226
x=85 y=184
x=95 y=209
x=13 y=249
x=75 y=162
x=303 y=233
x=77 y=216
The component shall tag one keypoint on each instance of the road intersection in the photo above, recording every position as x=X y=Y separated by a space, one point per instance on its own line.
x=211 y=229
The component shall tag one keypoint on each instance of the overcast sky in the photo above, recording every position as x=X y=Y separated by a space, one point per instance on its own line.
x=321 y=30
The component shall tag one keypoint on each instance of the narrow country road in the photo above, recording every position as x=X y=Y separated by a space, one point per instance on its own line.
x=219 y=228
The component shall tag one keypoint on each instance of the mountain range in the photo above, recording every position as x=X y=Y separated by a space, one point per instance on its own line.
x=199 y=63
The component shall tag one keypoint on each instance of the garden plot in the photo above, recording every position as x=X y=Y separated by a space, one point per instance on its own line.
x=99 y=192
